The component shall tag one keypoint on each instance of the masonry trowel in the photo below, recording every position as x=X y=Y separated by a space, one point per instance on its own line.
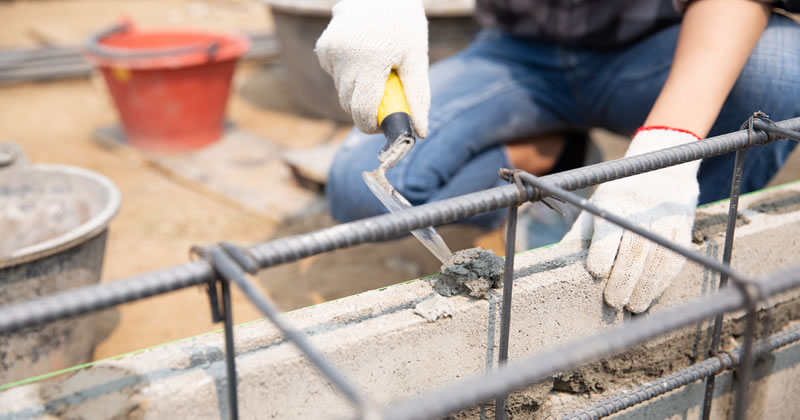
x=395 y=122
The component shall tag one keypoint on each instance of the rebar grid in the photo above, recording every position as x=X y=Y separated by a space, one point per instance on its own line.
x=542 y=366
x=388 y=226
x=226 y=263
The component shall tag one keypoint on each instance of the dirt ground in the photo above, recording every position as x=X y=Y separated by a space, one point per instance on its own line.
x=161 y=216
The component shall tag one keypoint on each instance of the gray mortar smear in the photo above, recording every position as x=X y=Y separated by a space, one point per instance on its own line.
x=780 y=203
x=708 y=225
x=434 y=308
x=470 y=272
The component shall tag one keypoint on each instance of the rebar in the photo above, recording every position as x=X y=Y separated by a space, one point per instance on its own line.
x=733 y=210
x=537 y=368
x=749 y=290
x=373 y=229
x=230 y=351
x=88 y=299
x=232 y=271
x=707 y=368
x=505 y=316
x=777 y=131
x=551 y=190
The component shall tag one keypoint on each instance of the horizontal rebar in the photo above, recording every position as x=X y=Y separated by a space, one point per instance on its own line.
x=696 y=372
x=539 y=367
x=776 y=131
x=445 y=211
x=373 y=229
x=93 y=298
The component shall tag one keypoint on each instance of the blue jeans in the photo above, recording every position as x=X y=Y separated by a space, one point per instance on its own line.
x=502 y=88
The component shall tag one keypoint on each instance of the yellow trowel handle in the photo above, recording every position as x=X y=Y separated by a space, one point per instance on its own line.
x=394 y=117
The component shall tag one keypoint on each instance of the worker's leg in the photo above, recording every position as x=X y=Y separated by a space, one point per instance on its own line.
x=625 y=85
x=497 y=90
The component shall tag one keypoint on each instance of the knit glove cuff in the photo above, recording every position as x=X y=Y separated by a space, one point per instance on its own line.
x=364 y=41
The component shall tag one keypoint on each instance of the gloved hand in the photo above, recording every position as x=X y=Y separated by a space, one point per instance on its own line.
x=662 y=201
x=363 y=42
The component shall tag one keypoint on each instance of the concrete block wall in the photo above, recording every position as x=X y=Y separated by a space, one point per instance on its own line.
x=378 y=341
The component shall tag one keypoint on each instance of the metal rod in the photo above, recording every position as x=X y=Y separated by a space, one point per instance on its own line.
x=230 y=352
x=584 y=204
x=446 y=211
x=661 y=386
x=505 y=315
x=539 y=367
x=94 y=298
x=733 y=211
x=743 y=376
x=84 y=300
x=228 y=269
x=774 y=129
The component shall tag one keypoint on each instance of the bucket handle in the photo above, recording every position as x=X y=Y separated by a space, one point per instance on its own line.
x=94 y=46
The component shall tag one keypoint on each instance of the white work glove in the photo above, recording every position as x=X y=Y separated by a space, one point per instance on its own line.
x=364 y=41
x=663 y=202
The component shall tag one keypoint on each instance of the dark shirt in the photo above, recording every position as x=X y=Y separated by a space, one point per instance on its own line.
x=585 y=23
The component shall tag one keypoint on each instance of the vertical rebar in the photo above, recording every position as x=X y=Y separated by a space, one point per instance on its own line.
x=733 y=211
x=230 y=355
x=743 y=373
x=505 y=315
x=228 y=268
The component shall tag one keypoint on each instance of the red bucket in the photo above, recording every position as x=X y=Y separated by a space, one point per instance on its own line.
x=170 y=87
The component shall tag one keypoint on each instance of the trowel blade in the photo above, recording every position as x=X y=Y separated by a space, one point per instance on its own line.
x=394 y=201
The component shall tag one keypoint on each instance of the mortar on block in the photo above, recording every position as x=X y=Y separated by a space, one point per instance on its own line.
x=54 y=221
